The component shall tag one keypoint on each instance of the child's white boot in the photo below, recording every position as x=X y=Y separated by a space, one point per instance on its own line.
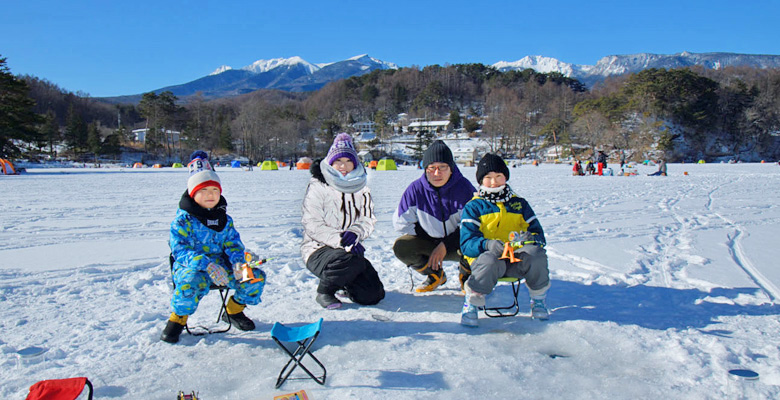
x=469 y=315
x=538 y=303
x=539 y=308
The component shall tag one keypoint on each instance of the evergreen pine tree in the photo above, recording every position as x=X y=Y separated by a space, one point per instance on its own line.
x=112 y=144
x=225 y=134
x=455 y=119
x=17 y=119
x=75 y=131
x=50 y=131
x=93 y=140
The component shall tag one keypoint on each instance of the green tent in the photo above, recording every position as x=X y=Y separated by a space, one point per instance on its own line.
x=269 y=165
x=386 y=164
x=177 y=165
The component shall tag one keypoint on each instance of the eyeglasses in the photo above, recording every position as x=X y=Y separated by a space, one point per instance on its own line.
x=442 y=168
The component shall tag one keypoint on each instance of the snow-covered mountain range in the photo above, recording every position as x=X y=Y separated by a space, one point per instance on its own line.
x=261 y=66
x=632 y=63
x=295 y=74
x=292 y=74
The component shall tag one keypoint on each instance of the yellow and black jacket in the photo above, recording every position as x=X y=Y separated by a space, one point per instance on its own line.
x=482 y=221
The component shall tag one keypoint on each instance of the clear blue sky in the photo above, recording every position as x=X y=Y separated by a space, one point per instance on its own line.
x=107 y=48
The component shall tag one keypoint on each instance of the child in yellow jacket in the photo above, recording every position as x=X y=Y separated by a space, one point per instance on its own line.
x=486 y=224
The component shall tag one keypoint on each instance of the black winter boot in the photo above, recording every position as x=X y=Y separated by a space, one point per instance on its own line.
x=235 y=315
x=328 y=301
x=239 y=320
x=171 y=332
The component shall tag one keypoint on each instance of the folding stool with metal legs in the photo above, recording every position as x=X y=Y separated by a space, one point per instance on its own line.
x=224 y=292
x=304 y=336
x=508 y=310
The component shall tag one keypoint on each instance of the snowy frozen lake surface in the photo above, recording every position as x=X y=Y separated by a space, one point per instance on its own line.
x=660 y=287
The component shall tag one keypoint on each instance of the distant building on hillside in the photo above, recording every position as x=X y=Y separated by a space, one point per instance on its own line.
x=465 y=155
x=364 y=127
x=139 y=135
x=435 y=127
x=553 y=153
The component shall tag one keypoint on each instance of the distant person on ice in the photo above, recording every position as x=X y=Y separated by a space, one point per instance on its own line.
x=661 y=168
x=602 y=159
x=577 y=168
x=488 y=220
x=590 y=168
x=429 y=215
x=338 y=215
x=206 y=249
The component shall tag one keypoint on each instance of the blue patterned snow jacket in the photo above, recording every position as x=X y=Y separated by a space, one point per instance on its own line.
x=430 y=212
x=199 y=237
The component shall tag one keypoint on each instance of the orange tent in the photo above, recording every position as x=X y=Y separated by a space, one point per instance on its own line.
x=373 y=164
x=303 y=163
x=138 y=165
x=7 y=167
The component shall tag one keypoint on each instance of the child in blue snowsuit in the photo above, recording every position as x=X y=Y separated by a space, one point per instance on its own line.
x=486 y=224
x=205 y=249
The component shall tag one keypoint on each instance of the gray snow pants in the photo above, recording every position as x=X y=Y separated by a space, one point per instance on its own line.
x=487 y=269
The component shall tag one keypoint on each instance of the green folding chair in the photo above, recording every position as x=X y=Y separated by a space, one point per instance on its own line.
x=509 y=310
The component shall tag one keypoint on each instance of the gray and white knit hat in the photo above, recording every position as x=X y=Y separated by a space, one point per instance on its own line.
x=201 y=173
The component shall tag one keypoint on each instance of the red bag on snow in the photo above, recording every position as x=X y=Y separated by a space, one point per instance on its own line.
x=59 y=389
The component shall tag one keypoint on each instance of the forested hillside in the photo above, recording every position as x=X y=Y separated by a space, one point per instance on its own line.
x=683 y=114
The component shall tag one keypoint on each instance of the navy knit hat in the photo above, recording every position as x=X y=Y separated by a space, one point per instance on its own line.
x=342 y=147
x=491 y=163
x=438 y=152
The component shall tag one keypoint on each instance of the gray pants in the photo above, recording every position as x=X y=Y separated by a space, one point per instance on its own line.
x=488 y=268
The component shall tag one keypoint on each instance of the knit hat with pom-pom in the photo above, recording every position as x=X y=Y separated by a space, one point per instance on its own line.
x=342 y=147
x=201 y=173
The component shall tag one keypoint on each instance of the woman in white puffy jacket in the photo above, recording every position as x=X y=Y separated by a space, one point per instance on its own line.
x=338 y=216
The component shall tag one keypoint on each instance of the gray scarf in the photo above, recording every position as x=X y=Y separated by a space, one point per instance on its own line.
x=349 y=183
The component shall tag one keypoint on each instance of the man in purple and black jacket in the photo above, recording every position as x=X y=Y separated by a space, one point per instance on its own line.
x=429 y=218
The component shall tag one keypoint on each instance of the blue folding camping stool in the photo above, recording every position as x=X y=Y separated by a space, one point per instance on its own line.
x=305 y=337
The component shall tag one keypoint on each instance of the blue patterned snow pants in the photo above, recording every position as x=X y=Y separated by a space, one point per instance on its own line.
x=191 y=285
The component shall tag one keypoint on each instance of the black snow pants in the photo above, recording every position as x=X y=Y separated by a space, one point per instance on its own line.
x=339 y=269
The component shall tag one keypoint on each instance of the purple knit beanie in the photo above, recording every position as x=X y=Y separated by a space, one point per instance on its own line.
x=342 y=147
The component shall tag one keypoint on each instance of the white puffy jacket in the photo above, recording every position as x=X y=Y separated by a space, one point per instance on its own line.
x=328 y=212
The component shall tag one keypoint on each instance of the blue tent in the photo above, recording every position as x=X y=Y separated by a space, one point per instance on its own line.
x=236 y=164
